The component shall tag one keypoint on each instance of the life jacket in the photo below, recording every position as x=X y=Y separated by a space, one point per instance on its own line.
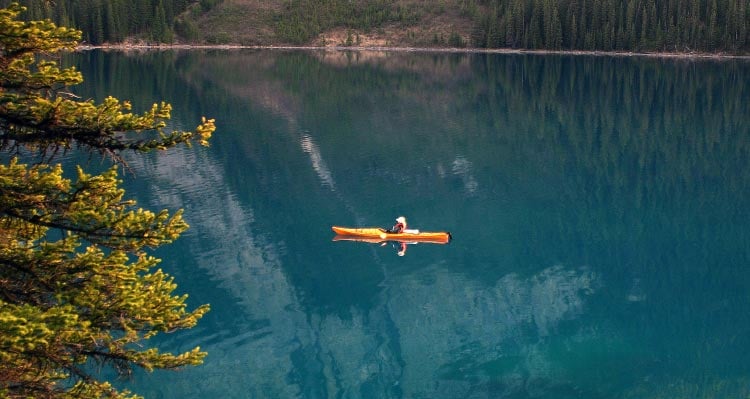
x=398 y=228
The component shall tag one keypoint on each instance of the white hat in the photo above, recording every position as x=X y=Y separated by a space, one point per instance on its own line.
x=401 y=219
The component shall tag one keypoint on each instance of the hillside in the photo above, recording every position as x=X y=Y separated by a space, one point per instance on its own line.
x=400 y=23
x=708 y=26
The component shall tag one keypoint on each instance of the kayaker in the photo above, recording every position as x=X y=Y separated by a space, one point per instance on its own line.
x=400 y=225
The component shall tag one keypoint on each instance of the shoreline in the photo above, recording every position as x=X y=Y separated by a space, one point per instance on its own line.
x=599 y=53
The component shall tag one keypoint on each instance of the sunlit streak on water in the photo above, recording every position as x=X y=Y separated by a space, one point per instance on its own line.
x=318 y=164
x=462 y=167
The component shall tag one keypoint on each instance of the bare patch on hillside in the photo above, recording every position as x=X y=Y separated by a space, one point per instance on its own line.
x=431 y=31
x=244 y=22
x=347 y=37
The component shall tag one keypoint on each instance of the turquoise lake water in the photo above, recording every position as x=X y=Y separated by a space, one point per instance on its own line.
x=599 y=208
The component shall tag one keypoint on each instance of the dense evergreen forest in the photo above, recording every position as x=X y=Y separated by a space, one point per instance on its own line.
x=625 y=25
x=113 y=21
x=671 y=25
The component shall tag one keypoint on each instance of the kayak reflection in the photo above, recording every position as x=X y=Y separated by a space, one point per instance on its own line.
x=399 y=246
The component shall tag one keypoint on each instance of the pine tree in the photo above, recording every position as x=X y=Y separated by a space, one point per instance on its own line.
x=77 y=284
x=553 y=30
x=743 y=28
x=712 y=35
x=111 y=33
x=97 y=25
x=536 y=27
x=573 y=32
x=160 y=31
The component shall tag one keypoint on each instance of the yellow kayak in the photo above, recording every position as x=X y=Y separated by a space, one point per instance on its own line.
x=376 y=233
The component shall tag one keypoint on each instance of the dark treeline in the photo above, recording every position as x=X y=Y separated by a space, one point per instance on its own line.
x=112 y=21
x=671 y=25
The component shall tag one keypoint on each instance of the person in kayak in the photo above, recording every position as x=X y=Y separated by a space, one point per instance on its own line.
x=399 y=227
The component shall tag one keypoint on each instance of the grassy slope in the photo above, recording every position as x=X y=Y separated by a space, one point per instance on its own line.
x=246 y=22
x=250 y=22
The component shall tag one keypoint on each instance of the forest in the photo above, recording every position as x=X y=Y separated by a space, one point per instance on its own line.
x=599 y=25
x=114 y=21
x=667 y=25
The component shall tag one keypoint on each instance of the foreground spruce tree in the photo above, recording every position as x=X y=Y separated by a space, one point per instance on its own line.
x=78 y=288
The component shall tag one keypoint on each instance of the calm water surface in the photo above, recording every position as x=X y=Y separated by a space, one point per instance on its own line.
x=599 y=208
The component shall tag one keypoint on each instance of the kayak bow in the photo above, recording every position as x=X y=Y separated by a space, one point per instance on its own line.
x=372 y=233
